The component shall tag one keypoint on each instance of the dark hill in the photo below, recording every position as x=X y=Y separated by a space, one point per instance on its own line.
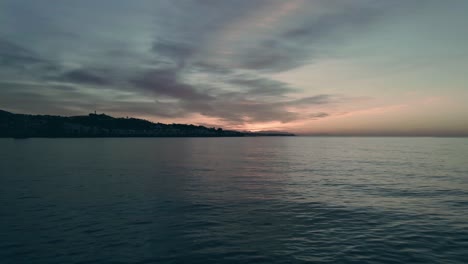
x=4 y=113
x=101 y=125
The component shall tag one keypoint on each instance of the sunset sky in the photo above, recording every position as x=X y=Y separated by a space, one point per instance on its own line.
x=354 y=67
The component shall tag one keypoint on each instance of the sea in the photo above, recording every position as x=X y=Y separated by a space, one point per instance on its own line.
x=234 y=200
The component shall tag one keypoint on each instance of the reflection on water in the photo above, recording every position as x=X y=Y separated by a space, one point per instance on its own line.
x=234 y=200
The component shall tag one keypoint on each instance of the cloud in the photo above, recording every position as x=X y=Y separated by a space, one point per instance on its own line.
x=206 y=67
x=318 y=115
x=158 y=108
x=313 y=37
x=175 y=59
x=232 y=107
x=17 y=60
x=165 y=82
x=19 y=64
x=261 y=86
x=42 y=98
x=315 y=100
x=19 y=85
x=179 y=52
x=12 y=54
x=83 y=76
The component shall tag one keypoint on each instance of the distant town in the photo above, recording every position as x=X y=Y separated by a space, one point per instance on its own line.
x=102 y=125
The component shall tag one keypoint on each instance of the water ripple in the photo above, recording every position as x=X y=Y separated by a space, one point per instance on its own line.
x=265 y=200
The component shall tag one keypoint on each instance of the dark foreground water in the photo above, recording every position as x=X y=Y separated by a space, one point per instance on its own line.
x=234 y=200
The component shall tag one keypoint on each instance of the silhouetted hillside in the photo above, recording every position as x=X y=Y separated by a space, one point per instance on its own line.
x=101 y=125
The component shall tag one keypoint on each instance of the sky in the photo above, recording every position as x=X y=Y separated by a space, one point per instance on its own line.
x=314 y=67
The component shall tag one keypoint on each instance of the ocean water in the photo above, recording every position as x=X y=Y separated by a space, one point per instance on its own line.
x=234 y=200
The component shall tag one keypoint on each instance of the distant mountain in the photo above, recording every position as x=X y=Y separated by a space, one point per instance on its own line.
x=101 y=125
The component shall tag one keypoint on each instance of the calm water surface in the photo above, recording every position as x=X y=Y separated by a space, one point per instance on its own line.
x=234 y=200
